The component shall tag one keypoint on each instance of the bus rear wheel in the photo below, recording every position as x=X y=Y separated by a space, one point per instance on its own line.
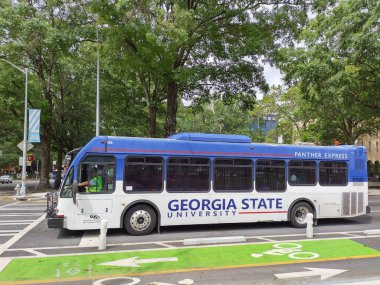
x=298 y=214
x=140 y=220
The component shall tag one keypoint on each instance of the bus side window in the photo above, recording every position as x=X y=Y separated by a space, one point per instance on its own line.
x=143 y=174
x=270 y=175
x=333 y=173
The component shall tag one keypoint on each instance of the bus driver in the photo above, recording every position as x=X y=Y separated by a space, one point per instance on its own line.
x=95 y=184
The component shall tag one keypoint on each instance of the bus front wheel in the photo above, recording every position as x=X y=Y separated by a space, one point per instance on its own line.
x=140 y=220
x=299 y=213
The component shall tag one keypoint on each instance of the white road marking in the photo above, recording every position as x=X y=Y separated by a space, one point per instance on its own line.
x=367 y=282
x=7 y=235
x=266 y=239
x=4 y=261
x=89 y=239
x=9 y=204
x=16 y=221
x=134 y=261
x=9 y=231
x=19 y=235
x=158 y=249
x=12 y=224
x=19 y=215
x=352 y=235
x=165 y=245
x=22 y=209
x=375 y=211
x=323 y=272
x=214 y=240
x=35 y=252
x=372 y=232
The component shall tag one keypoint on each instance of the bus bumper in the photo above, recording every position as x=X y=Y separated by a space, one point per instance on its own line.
x=55 y=223
x=368 y=210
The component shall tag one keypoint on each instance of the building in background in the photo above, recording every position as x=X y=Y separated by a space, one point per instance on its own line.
x=372 y=143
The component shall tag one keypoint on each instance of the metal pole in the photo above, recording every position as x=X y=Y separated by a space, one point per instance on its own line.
x=23 y=175
x=97 y=82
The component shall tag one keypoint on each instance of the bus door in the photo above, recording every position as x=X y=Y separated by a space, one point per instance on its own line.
x=96 y=183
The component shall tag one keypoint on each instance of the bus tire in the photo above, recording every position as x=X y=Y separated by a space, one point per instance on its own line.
x=298 y=214
x=140 y=220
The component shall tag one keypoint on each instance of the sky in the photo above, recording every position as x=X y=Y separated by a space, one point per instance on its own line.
x=272 y=76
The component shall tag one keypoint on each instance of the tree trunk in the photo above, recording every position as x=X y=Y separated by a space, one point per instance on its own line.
x=153 y=121
x=45 y=155
x=171 y=109
x=59 y=165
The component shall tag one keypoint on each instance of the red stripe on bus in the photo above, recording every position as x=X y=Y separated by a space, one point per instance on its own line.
x=267 y=212
x=190 y=152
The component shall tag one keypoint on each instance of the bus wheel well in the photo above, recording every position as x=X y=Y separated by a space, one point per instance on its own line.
x=142 y=202
x=305 y=200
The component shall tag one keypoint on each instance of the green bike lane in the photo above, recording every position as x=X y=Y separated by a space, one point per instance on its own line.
x=149 y=262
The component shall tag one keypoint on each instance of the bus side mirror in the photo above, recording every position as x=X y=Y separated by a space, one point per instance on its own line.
x=75 y=191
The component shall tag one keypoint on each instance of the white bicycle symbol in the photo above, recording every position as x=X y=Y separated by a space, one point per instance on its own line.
x=293 y=250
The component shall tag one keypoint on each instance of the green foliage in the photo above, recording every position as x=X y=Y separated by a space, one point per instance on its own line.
x=337 y=68
x=217 y=117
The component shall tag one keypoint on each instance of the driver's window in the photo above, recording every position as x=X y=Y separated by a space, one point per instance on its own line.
x=67 y=188
x=97 y=174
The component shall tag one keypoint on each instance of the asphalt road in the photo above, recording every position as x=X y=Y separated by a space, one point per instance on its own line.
x=24 y=235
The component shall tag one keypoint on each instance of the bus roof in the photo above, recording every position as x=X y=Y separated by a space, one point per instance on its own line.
x=196 y=144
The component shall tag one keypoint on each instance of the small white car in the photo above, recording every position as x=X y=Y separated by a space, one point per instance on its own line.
x=6 y=179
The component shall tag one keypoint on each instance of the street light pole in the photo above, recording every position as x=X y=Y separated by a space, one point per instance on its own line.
x=97 y=82
x=23 y=174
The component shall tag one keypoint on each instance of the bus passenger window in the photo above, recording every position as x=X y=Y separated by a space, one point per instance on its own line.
x=97 y=174
x=333 y=173
x=143 y=174
x=270 y=175
x=232 y=175
x=188 y=174
x=302 y=172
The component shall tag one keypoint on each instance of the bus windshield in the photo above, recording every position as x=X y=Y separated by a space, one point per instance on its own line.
x=67 y=188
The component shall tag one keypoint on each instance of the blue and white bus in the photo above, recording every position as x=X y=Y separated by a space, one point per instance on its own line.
x=192 y=178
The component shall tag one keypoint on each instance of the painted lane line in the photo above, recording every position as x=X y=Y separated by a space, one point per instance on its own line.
x=165 y=245
x=9 y=231
x=375 y=211
x=215 y=240
x=266 y=239
x=19 y=235
x=4 y=261
x=180 y=241
x=325 y=273
x=6 y=235
x=89 y=239
x=184 y=247
x=366 y=282
x=19 y=214
x=12 y=224
x=22 y=209
x=135 y=262
x=372 y=232
x=35 y=252
x=352 y=235
x=9 y=204
x=16 y=221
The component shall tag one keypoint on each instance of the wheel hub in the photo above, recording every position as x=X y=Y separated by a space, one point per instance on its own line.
x=140 y=220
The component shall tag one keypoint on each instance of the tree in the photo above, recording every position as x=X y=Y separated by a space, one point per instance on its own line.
x=338 y=69
x=292 y=111
x=217 y=117
x=40 y=33
x=190 y=49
